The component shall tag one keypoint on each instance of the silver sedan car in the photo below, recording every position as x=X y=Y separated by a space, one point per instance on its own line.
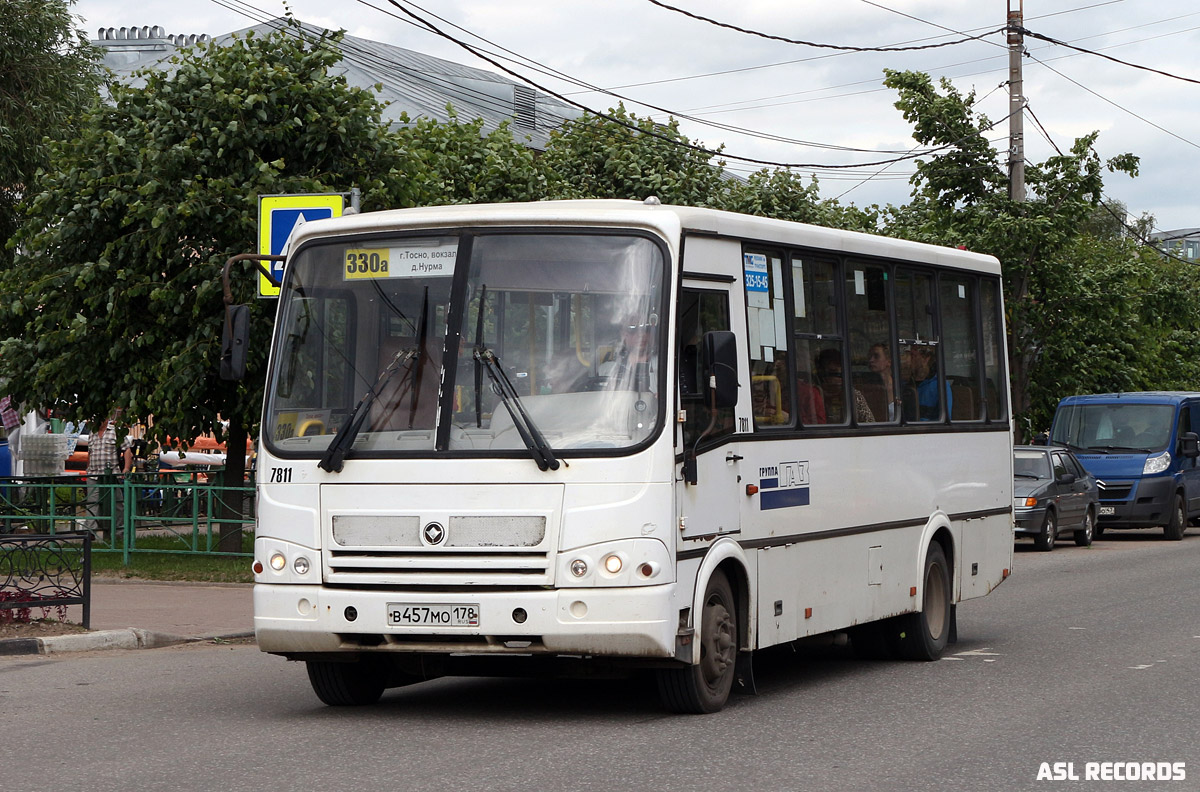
x=1053 y=493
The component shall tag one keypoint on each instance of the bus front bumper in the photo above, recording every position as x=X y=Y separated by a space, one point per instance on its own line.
x=637 y=622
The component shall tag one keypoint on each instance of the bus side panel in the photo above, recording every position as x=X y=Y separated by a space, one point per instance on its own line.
x=840 y=524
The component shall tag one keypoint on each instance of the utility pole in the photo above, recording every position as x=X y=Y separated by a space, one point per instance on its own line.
x=1016 y=102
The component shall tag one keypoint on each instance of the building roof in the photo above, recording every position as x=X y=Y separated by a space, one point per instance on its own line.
x=1179 y=233
x=415 y=84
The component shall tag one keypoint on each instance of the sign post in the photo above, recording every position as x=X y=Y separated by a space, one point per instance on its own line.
x=278 y=215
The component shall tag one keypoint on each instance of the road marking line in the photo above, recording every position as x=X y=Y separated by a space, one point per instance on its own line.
x=978 y=653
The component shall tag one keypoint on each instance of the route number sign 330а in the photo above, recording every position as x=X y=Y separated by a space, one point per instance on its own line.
x=399 y=262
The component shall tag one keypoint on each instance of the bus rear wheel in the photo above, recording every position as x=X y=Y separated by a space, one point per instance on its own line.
x=352 y=684
x=705 y=687
x=924 y=634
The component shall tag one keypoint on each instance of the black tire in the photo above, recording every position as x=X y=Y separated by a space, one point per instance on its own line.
x=705 y=687
x=1085 y=535
x=351 y=684
x=1049 y=534
x=924 y=634
x=1173 y=531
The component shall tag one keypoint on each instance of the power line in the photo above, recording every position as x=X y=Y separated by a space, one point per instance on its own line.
x=843 y=47
x=713 y=109
x=1133 y=232
x=683 y=115
x=1031 y=34
x=633 y=128
x=363 y=58
x=1114 y=104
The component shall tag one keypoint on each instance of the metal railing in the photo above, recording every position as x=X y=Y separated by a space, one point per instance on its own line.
x=160 y=512
x=38 y=571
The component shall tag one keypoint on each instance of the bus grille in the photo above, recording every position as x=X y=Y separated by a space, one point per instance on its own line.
x=470 y=550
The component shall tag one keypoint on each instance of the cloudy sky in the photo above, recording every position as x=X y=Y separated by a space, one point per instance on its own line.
x=790 y=103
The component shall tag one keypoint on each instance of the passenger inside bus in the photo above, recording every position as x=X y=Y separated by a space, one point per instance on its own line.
x=887 y=404
x=921 y=385
x=829 y=364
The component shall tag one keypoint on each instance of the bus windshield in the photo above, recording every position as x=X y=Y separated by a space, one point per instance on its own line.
x=469 y=343
x=1119 y=427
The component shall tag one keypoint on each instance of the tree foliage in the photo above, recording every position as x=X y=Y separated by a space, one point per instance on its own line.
x=623 y=156
x=116 y=297
x=48 y=72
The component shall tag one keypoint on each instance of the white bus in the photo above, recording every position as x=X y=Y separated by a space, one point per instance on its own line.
x=623 y=434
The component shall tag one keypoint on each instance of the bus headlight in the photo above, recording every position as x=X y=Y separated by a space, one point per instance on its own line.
x=280 y=562
x=1157 y=464
x=640 y=561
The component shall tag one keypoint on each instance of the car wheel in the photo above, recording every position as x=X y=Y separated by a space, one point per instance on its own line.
x=1084 y=536
x=1178 y=524
x=1045 y=539
x=705 y=687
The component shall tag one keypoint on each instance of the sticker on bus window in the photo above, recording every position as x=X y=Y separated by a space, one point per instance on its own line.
x=399 y=262
x=757 y=280
x=783 y=486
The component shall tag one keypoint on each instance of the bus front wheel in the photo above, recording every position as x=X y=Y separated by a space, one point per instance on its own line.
x=352 y=684
x=705 y=687
x=924 y=634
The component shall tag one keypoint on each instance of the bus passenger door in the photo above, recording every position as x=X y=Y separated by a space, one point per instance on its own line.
x=709 y=506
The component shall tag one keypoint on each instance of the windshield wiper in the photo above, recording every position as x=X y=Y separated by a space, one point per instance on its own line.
x=336 y=453
x=1110 y=448
x=1025 y=475
x=543 y=455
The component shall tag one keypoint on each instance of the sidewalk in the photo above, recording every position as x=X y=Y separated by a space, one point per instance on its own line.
x=147 y=614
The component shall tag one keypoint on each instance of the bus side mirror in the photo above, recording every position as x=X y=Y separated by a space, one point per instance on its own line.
x=1189 y=445
x=720 y=366
x=234 y=338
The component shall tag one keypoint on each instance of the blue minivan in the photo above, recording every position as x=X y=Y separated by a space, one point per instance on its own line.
x=1143 y=448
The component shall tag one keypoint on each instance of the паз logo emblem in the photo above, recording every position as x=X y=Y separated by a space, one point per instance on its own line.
x=433 y=533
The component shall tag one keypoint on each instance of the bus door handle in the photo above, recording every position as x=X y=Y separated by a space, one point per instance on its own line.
x=733 y=457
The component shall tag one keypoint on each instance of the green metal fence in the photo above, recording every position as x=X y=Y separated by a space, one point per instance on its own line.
x=160 y=512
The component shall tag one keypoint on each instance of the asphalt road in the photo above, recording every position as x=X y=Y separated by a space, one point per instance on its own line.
x=1084 y=655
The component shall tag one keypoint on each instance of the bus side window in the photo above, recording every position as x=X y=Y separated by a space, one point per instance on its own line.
x=960 y=349
x=699 y=312
x=925 y=392
x=767 y=339
x=817 y=335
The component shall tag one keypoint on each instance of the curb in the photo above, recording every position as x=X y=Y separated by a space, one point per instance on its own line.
x=128 y=638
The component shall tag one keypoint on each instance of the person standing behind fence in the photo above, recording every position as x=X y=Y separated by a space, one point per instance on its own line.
x=104 y=461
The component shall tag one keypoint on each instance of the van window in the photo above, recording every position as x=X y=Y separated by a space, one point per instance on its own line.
x=1114 y=427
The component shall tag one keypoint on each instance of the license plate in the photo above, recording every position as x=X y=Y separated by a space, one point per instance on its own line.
x=404 y=614
x=1106 y=511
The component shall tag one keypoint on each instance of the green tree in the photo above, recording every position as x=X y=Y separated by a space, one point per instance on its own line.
x=116 y=295
x=623 y=156
x=48 y=72
x=783 y=194
x=457 y=162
